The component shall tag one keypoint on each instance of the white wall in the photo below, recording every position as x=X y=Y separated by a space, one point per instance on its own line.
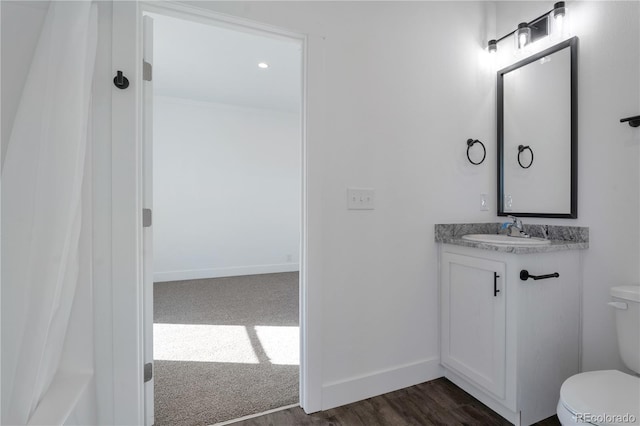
x=609 y=90
x=608 y=202
x=106 y=384
x=226 y=190
x=404 y=90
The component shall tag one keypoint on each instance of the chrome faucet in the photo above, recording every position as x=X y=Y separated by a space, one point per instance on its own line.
x=514 y=228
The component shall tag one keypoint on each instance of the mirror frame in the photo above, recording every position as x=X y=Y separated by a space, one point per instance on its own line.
x=572 y=43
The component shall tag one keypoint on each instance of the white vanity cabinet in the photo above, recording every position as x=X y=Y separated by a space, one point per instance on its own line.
x=508 y=342
x=474 y=320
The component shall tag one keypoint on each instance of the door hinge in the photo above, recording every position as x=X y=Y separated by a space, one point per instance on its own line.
x=146 y=218
x=148 y=372
x=147 y=71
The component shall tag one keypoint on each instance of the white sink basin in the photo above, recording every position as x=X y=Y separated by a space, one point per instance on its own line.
x=505 y=239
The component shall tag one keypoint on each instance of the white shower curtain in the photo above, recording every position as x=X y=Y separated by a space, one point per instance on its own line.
x=42 y=204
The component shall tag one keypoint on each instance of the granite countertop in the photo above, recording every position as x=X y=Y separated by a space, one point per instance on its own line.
x=562 y=237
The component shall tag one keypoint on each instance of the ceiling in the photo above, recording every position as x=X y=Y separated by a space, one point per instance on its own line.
x=215 y=64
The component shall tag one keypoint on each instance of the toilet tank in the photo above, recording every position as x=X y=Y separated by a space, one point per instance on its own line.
x=626 y=300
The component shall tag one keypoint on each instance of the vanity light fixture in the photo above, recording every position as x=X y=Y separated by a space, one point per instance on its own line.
x=559 y=10
x=559 y=18
x=522 y=35
x=528 y=32
x=492 y=46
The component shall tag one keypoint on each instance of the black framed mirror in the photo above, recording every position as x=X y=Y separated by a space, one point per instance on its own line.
x=537 y=130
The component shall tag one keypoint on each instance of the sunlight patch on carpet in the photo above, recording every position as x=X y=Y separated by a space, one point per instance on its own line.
x=277 y=345
x=281 y=344
x=203 y=343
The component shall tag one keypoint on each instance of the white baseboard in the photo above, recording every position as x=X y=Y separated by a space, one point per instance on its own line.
x=380 y=382
x=197 y=274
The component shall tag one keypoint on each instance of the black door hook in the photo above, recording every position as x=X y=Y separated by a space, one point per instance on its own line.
x=120 y=81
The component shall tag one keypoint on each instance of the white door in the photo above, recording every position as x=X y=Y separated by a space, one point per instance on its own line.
x=147 y=204
x=473 y=320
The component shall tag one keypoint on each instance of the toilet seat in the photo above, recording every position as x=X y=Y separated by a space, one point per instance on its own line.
x=604 y=395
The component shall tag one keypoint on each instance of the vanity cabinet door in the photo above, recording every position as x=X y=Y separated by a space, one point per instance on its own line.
x=473 y=311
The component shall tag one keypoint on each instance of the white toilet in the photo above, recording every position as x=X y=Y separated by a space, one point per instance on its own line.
x=609 y=397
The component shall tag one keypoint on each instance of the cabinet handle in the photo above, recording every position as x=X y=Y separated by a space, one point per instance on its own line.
x=525 y=275
x=495 y=284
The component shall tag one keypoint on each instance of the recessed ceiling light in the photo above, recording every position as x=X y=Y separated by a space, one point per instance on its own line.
x=263 y=65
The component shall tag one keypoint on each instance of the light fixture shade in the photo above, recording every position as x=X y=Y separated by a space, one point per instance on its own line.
x=559 y=9
x=522 y=36
x=560 y=20
x=492 y=46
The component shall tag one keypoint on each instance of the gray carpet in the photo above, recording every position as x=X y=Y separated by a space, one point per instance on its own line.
x=225 y=347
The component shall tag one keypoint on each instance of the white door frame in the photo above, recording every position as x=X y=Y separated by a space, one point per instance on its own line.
x=127 y=194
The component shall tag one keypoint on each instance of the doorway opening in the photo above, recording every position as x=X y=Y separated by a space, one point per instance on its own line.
x=227 y=179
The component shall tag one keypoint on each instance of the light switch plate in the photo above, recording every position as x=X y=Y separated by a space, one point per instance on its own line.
x=360 y=199
x=484 y=202
x=508 y=203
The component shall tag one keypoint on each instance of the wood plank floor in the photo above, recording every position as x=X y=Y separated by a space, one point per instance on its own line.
x=438 y=402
